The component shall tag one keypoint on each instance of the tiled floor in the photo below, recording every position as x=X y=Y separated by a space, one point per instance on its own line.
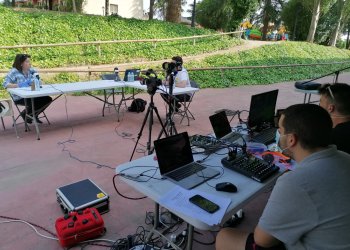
x=31 y=170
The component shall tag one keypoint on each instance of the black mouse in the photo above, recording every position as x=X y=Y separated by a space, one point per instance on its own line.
x=226 y=187
x=269 y=158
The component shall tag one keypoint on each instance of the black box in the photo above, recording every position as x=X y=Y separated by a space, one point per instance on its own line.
x=82 y=194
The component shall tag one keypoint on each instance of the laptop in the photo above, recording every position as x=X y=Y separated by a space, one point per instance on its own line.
x=176 y=162
x=262 y=115
x=136 y=74
x=222 y=128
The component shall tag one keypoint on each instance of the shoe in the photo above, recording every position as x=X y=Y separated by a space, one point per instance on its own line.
x=23 y=115
x=38 y=120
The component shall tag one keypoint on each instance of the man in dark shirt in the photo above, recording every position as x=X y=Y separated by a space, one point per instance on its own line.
x=335 y=99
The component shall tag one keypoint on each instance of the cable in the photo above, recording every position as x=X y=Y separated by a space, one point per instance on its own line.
x=129 y=198
x=30 y=225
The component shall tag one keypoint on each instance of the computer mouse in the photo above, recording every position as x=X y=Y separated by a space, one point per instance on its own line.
x=226 y=187
x=269 y=158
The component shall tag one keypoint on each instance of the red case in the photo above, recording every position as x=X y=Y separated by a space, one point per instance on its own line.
x=79 y=226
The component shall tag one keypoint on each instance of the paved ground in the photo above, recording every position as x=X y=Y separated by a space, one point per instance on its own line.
x=31 y=170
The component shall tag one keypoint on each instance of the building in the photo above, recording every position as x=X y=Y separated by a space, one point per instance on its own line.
x=124 y=8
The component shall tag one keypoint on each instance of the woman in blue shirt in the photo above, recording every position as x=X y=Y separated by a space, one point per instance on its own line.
x=21 y=75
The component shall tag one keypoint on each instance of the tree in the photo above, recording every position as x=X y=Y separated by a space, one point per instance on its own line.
x=314 y=21
x=151 y=9
x=75 y=6
x=224 y=14
x=193 y=18
x=13 y=3
x=173 y=11
x=342 y=15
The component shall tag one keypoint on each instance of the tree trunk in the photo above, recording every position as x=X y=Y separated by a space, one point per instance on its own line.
x=50 y=4
x=151 y=10
x=297 y=11
x=266 y=19
x=193 y=19
x=348 y=37
x=107 y=7
x=74 y=6
x=314 y=21
x=173 y=11
x=13 y=3
x=335 y=31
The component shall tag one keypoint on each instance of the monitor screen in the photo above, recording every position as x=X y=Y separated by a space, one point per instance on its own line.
x=220 y=124
x=173 y=152
x=262 y=109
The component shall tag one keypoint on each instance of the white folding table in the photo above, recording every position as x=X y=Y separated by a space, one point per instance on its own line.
x=156 y=188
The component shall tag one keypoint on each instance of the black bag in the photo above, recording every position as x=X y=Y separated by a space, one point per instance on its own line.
x=137 y=105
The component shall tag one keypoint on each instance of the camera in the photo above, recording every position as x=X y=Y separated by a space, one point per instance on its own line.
x=151 y=81
x=170 y=67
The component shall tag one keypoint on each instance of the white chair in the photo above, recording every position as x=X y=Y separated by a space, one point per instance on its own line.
x=7 y=110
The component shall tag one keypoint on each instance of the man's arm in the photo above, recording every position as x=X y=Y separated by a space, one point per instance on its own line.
x=264 y=239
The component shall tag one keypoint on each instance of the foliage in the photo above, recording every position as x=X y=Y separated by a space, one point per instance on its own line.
x=51 y=27
x=284 y=53
x=225 y=15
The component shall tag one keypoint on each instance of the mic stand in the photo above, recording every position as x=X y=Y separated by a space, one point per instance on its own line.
x=169 y=123
x=149 y=117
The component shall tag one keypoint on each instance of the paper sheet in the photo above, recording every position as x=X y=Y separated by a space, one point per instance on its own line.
x=178 y=200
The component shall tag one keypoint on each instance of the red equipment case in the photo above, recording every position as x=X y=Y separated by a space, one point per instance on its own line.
x=79 y=226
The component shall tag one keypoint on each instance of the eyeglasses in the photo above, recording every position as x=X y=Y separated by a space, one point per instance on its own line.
x=330 y=92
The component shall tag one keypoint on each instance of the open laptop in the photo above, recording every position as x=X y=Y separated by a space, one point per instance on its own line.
x=136 y=74
x=222 y=128
x=261 y=117
x=176 y=162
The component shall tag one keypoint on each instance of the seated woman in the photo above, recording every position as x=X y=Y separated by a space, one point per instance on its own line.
x=21 y=75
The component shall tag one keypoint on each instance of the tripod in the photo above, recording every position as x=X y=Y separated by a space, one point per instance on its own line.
x=169 y=123
x=149 y=117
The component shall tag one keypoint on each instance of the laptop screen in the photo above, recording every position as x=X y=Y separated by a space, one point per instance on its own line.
x=220 y=124
x=262 y=109
x=136 y=74
x=173 y=152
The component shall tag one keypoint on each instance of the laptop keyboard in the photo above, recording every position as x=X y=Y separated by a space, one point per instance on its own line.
x=233 y=137
x=266 y=136
x=185 y=172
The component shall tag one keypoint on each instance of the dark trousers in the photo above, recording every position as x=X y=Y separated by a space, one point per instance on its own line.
x=40 y=104
x=179 y=98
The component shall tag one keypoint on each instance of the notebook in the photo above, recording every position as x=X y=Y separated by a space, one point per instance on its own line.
x=261 y=116
x=222 y=128
x=136 y=74
x=176 y=162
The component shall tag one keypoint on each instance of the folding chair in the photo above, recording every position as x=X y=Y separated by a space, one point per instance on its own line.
x=110 y=92
x=25 y=117
x=7 y=110
x=185 y=111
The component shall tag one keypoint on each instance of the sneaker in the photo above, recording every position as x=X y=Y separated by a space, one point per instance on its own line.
x=23 y=115
x=38 y=120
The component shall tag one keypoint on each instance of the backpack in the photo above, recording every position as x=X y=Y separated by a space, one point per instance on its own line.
x=137 y=105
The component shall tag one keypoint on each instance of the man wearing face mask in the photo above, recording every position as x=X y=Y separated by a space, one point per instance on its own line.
x=335 y=99
x=309 y=207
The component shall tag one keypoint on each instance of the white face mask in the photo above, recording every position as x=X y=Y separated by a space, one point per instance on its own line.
x=278 y=138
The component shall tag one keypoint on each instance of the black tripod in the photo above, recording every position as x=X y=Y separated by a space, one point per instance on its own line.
x=149 y=116
x=169 y=123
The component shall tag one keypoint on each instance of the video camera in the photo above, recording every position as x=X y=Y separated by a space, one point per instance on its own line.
x=151 y=80
x=170 y=67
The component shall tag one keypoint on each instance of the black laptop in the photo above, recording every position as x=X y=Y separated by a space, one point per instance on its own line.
x=136 y=74
x=261 y=117
x=222 y=128
x=176 y=162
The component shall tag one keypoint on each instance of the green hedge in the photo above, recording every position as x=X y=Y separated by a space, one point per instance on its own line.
x=282 y=53
x=41 y=27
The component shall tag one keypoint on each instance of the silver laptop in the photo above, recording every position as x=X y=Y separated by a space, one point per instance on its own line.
x=222 y=128
x=176 y=162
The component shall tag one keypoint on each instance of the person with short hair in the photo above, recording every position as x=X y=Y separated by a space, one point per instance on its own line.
x=181 y=80
x=335 y=99
x=21 y=75
x=309 y=207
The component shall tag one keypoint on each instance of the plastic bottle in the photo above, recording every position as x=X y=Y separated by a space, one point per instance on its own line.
x=36 y=81
x=116 y=72
x=132 y=77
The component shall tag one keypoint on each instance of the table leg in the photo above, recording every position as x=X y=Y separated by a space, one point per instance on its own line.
x=34 y=120
x=309 y=98
x=190 y=231
x=305 y=98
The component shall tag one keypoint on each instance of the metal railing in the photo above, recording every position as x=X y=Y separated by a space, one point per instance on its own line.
x=99 y=43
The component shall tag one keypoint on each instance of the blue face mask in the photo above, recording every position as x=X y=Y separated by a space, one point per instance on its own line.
x=277 y=139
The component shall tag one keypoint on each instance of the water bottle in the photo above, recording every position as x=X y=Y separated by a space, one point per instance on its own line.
x=132 y=77
x=116 y=72
x=36 y=81
x=129 y=76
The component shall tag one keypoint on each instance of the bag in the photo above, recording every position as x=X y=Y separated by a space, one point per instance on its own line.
x=138 y=105
x=307 y=85
x=79 y=226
